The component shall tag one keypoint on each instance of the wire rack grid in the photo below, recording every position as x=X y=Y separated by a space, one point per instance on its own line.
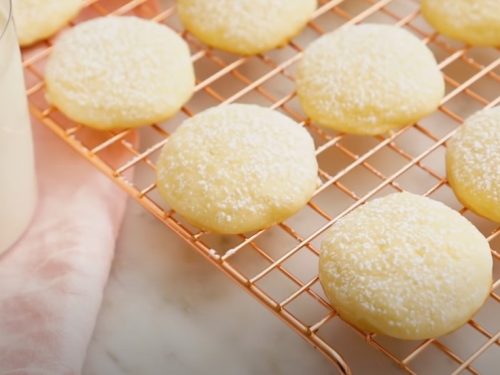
x=278 y=266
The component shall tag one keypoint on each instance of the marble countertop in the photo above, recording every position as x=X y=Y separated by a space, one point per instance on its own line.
x=166 y=310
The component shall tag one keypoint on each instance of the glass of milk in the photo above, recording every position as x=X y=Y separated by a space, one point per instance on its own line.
x=17 y=172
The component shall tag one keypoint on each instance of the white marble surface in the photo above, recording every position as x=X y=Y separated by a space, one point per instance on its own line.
x=168 y=311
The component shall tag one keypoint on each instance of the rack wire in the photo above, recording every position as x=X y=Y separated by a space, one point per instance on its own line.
x=278 y=266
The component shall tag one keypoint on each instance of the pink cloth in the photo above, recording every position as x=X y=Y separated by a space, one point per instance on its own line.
x=52 y=280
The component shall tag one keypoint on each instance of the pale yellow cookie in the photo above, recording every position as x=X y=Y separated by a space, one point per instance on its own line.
x=368 y=79
x=237 y=168
x=245 y=27
x=473 y=163
x=39 y=19
x=119 y=72
x=405 y=266
x=475 y=22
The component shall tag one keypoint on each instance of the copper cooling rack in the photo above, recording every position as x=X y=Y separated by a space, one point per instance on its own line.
x=278 y=265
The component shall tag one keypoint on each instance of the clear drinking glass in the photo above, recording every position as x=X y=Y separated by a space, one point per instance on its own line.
x=17 y=172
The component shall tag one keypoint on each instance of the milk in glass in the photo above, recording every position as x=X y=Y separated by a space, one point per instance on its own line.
x=17 y=176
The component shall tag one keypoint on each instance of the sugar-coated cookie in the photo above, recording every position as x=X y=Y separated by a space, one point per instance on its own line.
x=39 y=19
x=119 y=72
x=473 y=163
x=405 y=266
x=475 y=22
x=245 y=27
x=368 y=79
x=237 y=168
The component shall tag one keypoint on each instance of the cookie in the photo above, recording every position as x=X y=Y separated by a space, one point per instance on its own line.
x=368 y=79
x=119 y=72
x=405 y=266
x=245 y=27
x=473 y=163
x=473 y=22
x=237 y=168
x=39 y=19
